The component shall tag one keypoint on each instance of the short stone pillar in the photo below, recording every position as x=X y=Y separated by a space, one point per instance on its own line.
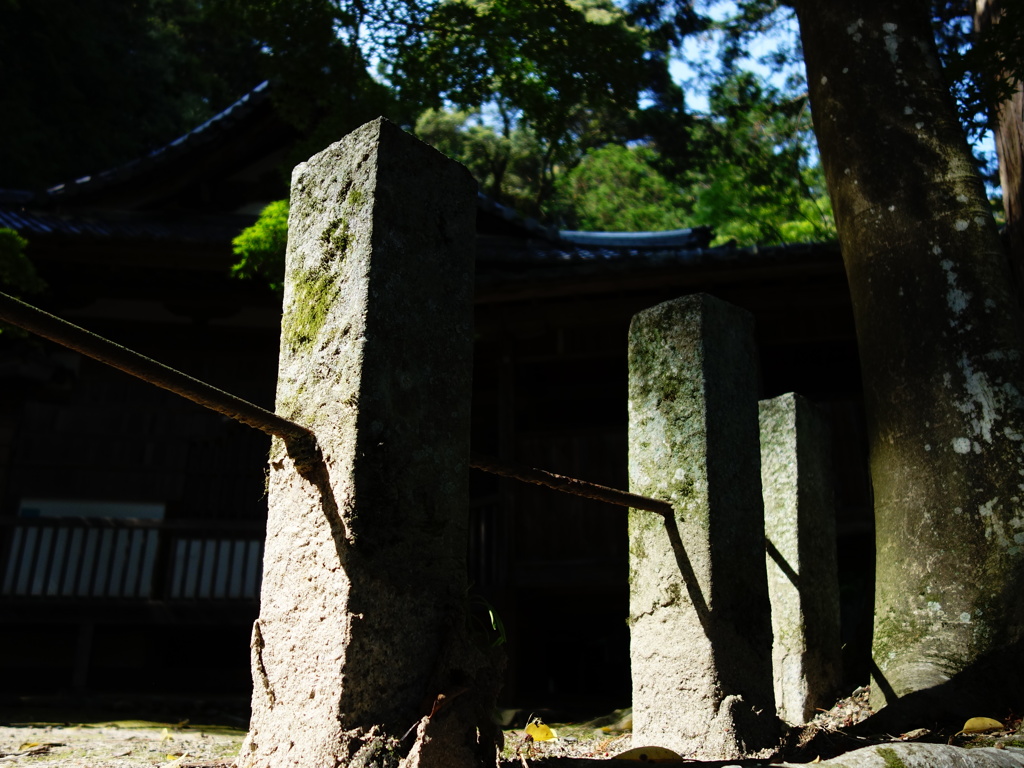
x=800 y=531
x=700 y=621
x=364 y=576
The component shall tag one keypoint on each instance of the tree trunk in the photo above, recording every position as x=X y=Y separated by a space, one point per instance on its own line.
x=1008 y=122
x=938 y=337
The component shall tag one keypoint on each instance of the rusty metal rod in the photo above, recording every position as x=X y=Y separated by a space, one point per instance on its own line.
x=98 y=348
x=572 y=485
x=302 y=442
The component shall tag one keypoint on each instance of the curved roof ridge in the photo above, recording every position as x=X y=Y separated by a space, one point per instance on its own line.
x=164 y=153
x=692 y=237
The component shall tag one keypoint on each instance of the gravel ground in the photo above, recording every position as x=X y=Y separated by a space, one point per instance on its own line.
x=120 y=744
x=149 y=744
x=27 y=741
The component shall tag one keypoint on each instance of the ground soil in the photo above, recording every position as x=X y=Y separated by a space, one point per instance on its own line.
x=118 y=744
x=30 y=736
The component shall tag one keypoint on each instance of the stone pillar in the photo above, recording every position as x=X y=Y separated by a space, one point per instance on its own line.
x=364 y=576
x=700 y=620
x=800 y=536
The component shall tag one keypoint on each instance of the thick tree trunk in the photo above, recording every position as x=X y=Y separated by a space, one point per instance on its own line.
x=1008 y=123
x=938 y=337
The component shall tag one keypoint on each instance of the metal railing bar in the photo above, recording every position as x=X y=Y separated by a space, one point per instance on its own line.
x=108 y=583
x=175 y=576
x=105 y=351
x=139 y=550
x=49 y=562
x=301 y=441
x=33 y=563
x=96 y=557
x=140 y=540
x=65 y=566
x=78 y=572
x=229 y=569
x=17 y=546
x=571 y=485
x=90 y=543
x=130 y=560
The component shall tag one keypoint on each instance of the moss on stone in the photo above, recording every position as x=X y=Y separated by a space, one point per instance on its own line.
x=892 y=760
x=354 y=198
x=335 y=238
x=312 y=297
x=895 y=637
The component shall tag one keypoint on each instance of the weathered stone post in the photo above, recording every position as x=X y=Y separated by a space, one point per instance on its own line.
x=361 y=627
x=800 y=531
x=700 y=621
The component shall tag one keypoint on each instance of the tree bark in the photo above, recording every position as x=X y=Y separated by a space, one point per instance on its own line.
x=1008 y=126
x=939 y=343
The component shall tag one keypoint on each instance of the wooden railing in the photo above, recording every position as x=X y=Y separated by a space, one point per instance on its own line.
x=125 y=559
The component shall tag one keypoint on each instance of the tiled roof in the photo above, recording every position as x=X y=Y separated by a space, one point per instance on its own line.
x=507 y=270
x=183 y=228
x=515 y=255
x=198 y=136
x=511 y=258
x=697 y=237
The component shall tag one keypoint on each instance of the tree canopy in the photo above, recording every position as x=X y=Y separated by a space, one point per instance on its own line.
x=92 y=83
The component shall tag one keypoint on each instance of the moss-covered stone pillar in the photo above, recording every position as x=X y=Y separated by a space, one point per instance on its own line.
x=700 y=623
x=360 y=633
x=800 y=536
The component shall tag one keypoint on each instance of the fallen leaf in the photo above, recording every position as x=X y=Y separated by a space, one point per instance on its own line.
x=36 y=748
x=917 y=733
x=540 y=732
x=649 y=755
x=981 y=725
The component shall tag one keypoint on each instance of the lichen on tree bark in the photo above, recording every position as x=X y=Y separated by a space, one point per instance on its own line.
x=939 y=340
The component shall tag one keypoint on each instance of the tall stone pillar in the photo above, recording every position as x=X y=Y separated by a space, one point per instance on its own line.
x=362 y=616
x=800 y=531
x=700 y=621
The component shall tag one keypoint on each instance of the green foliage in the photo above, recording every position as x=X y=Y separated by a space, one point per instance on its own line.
x=17 y=275
x=983 y=67
x=88 y=85
x=620 y=189
x=751 y=175
x=749 y=171
x=570 y=73
x=760 y=215
x=760 y=183
x=492 y=630
x=507 y=167
x=316 y=54
x=261 y=247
